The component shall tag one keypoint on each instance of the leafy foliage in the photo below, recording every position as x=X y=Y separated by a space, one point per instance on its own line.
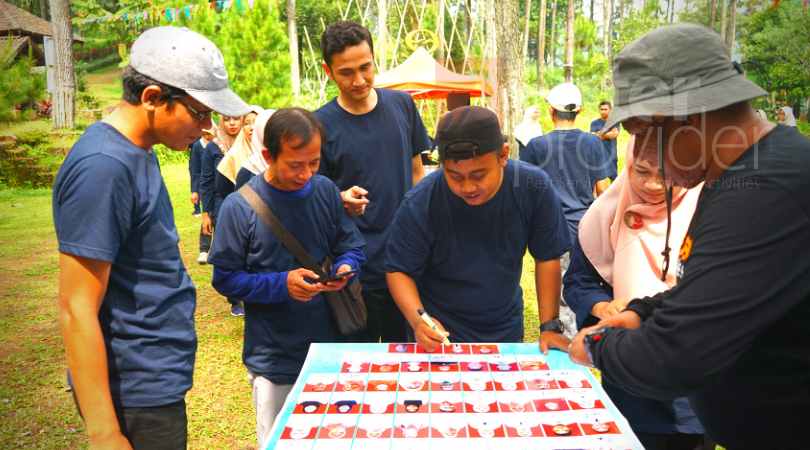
x=776 y=45
x=636 y=24
x=19 y=86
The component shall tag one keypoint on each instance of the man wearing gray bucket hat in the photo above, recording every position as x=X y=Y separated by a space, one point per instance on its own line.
x=126 y=302
x=732 y=335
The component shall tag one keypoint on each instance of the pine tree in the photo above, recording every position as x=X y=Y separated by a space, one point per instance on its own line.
x=255 y=46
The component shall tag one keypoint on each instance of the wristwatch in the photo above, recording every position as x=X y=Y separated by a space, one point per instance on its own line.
x=554 y=325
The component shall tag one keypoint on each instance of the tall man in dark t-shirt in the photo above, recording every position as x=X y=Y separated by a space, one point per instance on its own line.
x=457 y=243
x=732 y=334
x=608 y=137
x=372 y=153
x=126 y=302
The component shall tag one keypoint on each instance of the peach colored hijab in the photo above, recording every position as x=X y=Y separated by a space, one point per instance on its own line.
x=622 y=236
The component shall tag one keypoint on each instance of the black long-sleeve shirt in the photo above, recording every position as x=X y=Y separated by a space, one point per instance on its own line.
x=734 y=333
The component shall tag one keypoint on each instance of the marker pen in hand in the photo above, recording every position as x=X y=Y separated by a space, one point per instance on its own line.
x=429 y=322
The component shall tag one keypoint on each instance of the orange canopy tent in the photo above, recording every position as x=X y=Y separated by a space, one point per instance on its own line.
x=424 y=78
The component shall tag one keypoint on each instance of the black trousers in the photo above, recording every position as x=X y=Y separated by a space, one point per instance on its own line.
x=154 y=428
x=385 y=322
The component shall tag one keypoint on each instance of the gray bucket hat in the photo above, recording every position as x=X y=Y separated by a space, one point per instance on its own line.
x=187 y=60
x=676 y=70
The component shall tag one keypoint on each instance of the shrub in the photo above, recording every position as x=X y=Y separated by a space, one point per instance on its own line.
x=19 y=87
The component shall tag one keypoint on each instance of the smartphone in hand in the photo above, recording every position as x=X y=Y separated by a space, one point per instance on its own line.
x=335 y=277
x=338 y=276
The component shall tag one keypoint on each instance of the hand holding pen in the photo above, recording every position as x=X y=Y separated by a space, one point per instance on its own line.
x=429 y=332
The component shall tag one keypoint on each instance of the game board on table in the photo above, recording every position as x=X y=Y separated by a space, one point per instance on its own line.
x=464 y=396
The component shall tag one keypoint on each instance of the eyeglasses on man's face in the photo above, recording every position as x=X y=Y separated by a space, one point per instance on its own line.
x=199 y=116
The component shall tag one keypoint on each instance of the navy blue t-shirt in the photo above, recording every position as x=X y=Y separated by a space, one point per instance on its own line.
x=195 y=165
x=278 y=334
x=575 y=161
x=110 y=204
x=374 y=151
x=214 y=186
x=609 y=146
x=467 y=260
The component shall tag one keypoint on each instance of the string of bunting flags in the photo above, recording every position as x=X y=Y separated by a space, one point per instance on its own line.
x=171 y=14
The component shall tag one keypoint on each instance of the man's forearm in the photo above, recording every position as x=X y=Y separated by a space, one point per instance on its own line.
x=82 y=284
x=547 y=276
x=418 y=169
x=87 y=361
x=406 y=296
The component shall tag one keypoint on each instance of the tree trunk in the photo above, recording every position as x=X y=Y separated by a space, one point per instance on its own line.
x=607 y=19
x=510 y=68
x=552 y=43
x=723 y=18
x=569 y=43
x=712 y=14
x=591 y=12
x=292 y=33
x=732 y=26
x=43 y=9
x=440 y=31
x=541 y=43
x=381 y=40
x=525 y=54
x=64 y=108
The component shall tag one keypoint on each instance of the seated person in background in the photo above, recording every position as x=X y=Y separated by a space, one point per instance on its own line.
x=457 y=241
x=617 y=258
x=284 y=311
x=254 y=164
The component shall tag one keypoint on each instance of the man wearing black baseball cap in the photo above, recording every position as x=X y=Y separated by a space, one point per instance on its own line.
x=126 y=302
x=457 y=242
x=732 y=335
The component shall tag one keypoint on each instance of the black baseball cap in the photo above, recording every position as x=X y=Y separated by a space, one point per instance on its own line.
x=467 y=132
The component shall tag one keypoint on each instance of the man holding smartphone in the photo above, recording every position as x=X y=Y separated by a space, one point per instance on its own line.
x=457 y=243
x=284 y=311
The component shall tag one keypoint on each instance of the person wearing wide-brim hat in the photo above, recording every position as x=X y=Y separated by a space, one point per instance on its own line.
x=732 y=335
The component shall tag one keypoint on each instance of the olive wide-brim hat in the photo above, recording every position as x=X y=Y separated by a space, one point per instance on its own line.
x=676 y=70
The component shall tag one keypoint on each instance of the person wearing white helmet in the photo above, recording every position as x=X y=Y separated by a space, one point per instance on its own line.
x=126 y=302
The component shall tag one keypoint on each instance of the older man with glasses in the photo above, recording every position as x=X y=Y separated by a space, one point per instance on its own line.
x=732 y=335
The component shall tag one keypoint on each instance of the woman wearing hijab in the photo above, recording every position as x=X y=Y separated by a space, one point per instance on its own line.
x=529 y=128
x=255 y=163
x=785 y=116
x=616 y=258
x=240 y=150
x=214 y=186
